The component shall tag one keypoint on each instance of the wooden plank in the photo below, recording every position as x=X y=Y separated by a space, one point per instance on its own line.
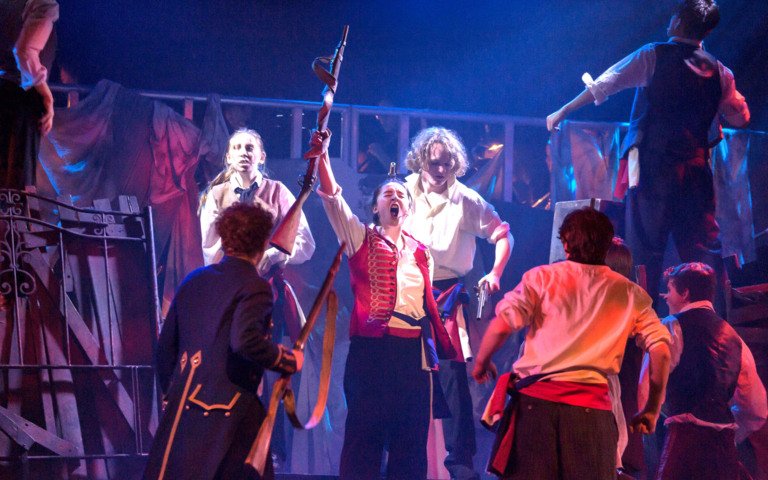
x=26 y=434
x=86 y=340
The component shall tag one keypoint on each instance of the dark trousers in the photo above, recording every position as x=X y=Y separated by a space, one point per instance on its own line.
x=459 y=428
x=691 y=451
x=675 y=196
x=555 y=441
x=387 y=408
x=19 y=135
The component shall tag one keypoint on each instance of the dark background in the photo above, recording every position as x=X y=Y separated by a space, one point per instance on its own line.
x=508 y=57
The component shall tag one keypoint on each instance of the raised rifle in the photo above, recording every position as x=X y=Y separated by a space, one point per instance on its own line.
x=284 y=235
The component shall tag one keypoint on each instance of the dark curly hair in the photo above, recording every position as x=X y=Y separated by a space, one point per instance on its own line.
x=244 y=229
x=586 y=235
x=696 y=277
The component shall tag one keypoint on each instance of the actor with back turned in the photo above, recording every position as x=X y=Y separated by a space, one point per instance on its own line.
x=579 y=314
x=682 y=94
x=213 y=349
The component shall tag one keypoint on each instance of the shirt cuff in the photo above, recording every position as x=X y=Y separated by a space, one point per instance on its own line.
x=501 y=231
x=330 y=197
x=657 y=343
x=594 y=88
x=32 y=71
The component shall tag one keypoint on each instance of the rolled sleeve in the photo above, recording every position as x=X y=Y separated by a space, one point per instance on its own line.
x=347 y=226
x=634 y=70
x=517 y=307
x=648 y=330
x=675 y=340
x=733 y=106
x=211 y=239
x=39 y=16
x=749 y=404
x=485 y=222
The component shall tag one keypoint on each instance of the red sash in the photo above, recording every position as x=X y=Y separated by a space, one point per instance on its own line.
x=587 y=395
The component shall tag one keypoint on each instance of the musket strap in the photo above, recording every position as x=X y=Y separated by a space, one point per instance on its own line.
x=329 y=339
x=281 y=390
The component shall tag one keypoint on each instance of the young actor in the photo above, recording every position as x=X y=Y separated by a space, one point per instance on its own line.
x=213 y=349
x=579 y=314
x=715 y=398
x=393 y=330
x=448 y=216
x=682 y=91
x=243 y=180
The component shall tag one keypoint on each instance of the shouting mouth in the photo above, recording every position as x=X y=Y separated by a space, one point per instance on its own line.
x=394 y=210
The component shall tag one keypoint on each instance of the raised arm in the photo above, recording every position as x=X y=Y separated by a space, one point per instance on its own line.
x=582 y=99
x=634 y=70
x=346 y=225
x=325 y=175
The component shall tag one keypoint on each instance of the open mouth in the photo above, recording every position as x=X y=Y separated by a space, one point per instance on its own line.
x=394 y=210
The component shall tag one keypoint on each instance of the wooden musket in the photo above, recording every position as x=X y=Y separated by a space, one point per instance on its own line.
x=281 y=390
x=284 y=236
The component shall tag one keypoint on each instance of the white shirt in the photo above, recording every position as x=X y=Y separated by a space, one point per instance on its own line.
x=448 y=224
x=578 y=316
x=39 y=16
x=277 y=198
x=410 y=282
x=636 y=70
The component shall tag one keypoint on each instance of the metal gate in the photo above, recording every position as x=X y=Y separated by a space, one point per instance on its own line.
x=79 y=315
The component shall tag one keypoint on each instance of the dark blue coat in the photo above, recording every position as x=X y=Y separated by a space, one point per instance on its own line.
x=213 y=349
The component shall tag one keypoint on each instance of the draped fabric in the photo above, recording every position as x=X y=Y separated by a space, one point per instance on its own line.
x=586 y=164
x=730 y=160
x=116 y=142
x=585 y=160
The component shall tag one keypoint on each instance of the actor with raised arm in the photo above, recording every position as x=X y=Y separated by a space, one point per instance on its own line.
x=682 y=92
x=396 y=334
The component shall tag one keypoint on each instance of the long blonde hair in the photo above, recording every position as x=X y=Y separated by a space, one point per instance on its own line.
x=224 y=175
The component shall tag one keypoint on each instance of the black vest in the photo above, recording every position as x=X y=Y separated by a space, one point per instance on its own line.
x=705 y=380
x=673 y=114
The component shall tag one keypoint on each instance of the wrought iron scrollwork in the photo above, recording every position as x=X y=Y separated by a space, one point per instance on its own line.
x=11 y=203
x=13 y=252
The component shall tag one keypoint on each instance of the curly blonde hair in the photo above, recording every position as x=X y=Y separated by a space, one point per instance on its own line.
x=422 y=143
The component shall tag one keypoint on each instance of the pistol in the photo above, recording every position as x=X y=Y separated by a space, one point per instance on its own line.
x=482 y=297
